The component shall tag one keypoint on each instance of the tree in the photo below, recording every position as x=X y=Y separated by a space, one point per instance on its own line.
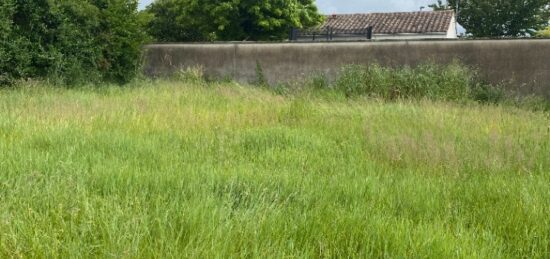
x=497 y=18
x=70 y=40
x=121 y=38
x=13 y=61
x=208 y=20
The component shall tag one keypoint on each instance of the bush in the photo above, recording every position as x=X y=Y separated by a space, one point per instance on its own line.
x=486 y=93
x=14 y=61
x=544 y=33
x=70 y=41
x=122 y=38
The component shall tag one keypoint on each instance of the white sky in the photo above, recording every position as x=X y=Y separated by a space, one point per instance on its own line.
x=359 y=6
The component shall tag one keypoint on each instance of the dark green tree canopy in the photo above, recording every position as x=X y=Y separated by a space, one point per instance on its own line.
x=70 y=40
x=208 y=20
x=497 y=18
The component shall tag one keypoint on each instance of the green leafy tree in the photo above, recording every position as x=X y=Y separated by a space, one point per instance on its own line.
x=13 y=61
x=208 y=20
x=178 y=20
x=121 y=38
x=497 y=18
x=70 y=40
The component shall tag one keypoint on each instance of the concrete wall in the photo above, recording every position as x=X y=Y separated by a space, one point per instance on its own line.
x=526 y=62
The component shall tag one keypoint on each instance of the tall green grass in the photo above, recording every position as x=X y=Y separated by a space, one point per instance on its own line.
x=453 y=82
x=450 y=82
x=168 y=169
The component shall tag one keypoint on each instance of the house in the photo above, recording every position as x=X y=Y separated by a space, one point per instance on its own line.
x=385 y=26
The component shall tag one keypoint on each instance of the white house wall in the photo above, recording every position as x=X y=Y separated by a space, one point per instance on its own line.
x=452 y=32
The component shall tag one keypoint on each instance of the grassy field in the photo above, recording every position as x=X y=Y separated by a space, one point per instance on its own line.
x=172 y=170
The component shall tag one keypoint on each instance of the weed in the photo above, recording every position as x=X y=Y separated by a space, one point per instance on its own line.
x=261 y=80
x=193 y=75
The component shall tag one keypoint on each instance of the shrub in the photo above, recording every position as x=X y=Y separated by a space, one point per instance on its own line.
x=71 y=40
x=486 y=93
x=121 y=39
x=14 y=61
x=544 y=33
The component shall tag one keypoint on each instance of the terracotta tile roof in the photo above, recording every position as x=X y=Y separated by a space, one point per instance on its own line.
x=391 y=23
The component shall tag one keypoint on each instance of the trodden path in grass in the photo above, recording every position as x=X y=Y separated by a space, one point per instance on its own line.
x=178 y=170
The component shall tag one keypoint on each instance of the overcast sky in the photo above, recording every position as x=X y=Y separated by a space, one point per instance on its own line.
x=359 y=6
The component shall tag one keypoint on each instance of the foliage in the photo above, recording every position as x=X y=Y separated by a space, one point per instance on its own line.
x=209 y=20
x=261 y=79
x=496 y=18
x=319 y=81
x=544 y=33
x=192 y=75
x=14 y=60
x=121 y=39
x=71 y=40
x=179 y=170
